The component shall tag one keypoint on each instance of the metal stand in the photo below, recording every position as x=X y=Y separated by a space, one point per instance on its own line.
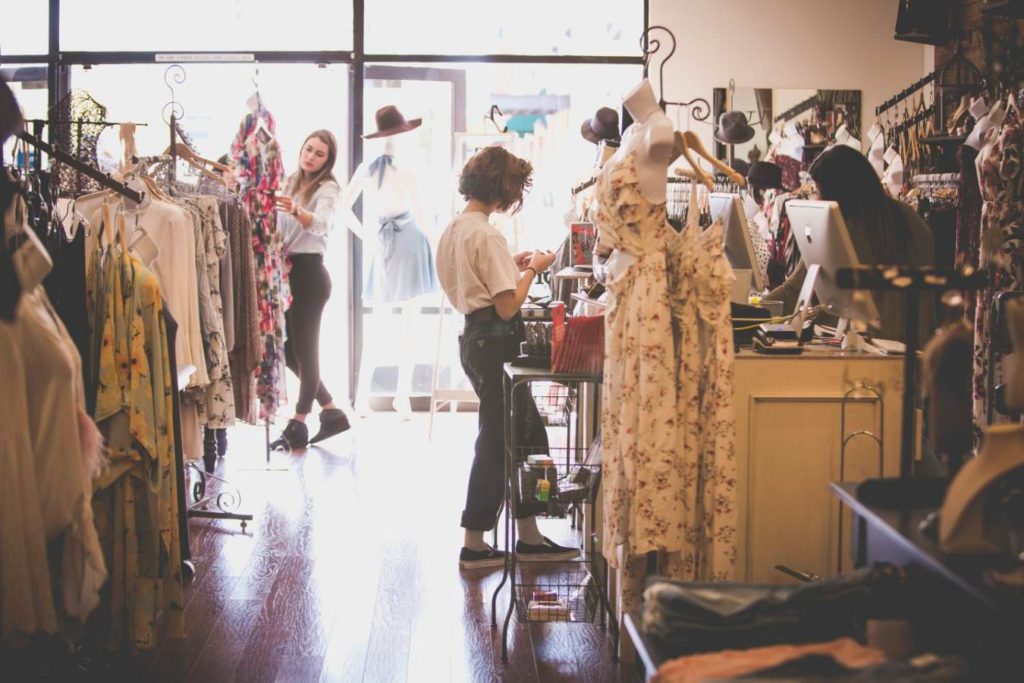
x=585 y=577
x=227 y=502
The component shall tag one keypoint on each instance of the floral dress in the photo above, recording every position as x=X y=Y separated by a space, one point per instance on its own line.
x=260 y=175
x=643 y=507
x=700 y=282
x=1001 y=252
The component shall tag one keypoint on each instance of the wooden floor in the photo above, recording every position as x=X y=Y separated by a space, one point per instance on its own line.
x=349 y=572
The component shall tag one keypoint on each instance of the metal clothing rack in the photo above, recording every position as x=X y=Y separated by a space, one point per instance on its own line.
x=905 y=93
x=917 y=118
x=104 y=179
x=797 y=109
x=912 y=282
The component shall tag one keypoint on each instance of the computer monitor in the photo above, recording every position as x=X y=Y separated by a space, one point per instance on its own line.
x=739 y=247
x=825 y=246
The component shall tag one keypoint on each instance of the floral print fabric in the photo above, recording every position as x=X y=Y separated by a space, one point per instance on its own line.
x=260 y=174
x=1001 y=252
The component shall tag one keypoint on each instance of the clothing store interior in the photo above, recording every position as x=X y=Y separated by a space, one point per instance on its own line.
x=317 y=330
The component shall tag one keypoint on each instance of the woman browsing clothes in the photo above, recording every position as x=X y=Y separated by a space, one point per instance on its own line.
x=486 y=283
x=304 y=219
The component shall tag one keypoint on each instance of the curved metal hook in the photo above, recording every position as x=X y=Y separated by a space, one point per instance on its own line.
x=699 y=108
x=650 y=46
x=174 y=73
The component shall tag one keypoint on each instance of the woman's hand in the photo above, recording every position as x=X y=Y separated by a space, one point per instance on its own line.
x=541 y=260
x=284 y=203
x=523 y=260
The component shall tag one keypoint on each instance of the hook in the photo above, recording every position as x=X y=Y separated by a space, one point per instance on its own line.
x=652 y=45
x=495 y=110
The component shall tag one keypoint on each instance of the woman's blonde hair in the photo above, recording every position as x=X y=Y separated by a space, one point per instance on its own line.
x=496 y=175
x=302 y=185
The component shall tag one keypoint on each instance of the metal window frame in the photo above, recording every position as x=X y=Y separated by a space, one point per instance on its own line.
x=59 y=86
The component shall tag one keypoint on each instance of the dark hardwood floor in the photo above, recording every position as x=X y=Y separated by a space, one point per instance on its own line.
x=349 y=572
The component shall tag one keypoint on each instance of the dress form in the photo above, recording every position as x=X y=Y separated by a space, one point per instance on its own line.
x=392 y=191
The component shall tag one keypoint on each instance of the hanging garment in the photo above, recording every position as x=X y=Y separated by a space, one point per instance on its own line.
x=700 y=282
x=968 y=216
x=1000 y=251
x=404 y=267
x=136 y=503
x=247 y=351
x=260 y=174
x=643 y=510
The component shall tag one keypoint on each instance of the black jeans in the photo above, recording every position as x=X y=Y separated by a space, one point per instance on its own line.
x=485 y=346
x=311 y=288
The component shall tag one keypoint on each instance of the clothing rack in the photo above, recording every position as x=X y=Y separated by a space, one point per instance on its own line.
x=917 y=118
x=935 y=179
x=797 y=109
x=905 y=93
x=583 y=186
x=698 y=108
x=102 y=178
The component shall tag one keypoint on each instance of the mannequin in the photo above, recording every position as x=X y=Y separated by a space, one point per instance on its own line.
x=962 y=524
x=652 y=138
x=403 y=268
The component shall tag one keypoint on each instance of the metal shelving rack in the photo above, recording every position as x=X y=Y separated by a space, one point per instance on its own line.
x=577 y=588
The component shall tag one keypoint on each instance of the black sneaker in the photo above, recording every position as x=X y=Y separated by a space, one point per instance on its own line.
x=548 y=551
x=295 y=435
x=478 y=559
x=332 y=421
x=222 y=442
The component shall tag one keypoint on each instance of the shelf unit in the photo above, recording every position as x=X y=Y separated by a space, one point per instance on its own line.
x=558 y=591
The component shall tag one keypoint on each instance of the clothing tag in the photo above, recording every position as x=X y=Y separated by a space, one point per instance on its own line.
x=842 y=134
x=890 y=154
x=774 y=137
x=761 y=221
x=852 y=142
x=874 y=131
x=750 y=207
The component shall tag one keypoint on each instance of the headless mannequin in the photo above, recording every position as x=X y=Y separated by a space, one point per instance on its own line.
x=961 y=526
x=652 y=139
x=397 y=194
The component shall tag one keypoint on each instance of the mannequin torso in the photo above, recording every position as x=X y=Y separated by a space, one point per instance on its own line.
x=651 y=138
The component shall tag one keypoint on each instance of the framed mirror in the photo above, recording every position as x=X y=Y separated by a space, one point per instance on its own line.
x=817 y=114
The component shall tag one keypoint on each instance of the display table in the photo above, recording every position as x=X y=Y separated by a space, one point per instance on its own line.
x=790 y=433
x=952 y=608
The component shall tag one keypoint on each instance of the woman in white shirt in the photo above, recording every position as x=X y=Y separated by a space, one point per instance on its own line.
x=304 y=218
x=487 y=284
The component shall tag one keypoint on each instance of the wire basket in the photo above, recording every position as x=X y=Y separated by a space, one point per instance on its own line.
x=555 y=402
x=549 y=482
x=552 y=592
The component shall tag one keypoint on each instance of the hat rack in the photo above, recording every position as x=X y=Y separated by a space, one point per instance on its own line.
x=699 y=108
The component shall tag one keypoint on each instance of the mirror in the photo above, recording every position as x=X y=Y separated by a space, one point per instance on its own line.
x=817 y=113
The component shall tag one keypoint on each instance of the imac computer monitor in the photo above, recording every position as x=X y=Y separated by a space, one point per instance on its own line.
x=739 y=248
x=825 y=246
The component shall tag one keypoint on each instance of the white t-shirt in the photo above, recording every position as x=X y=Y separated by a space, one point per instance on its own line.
x=474 y=263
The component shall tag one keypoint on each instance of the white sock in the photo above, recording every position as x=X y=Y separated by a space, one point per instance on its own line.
x=475 y=540
x=526 y=529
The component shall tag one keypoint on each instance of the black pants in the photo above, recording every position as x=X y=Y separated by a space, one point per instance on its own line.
x=485 y=346
x=311 y=288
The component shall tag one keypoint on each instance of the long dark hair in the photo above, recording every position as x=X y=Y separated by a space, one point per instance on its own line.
x=303 y=185
x=845 y=176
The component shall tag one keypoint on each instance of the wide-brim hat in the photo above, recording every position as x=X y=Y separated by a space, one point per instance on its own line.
x=604 y=125
x=733 y=128
x=765 y=175
x=391 y=122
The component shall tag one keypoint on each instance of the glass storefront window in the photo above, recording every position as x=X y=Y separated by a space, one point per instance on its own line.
x=28 y=83
x=220 y=26
x=526 y=27
x=544 y=107
x=24 y=27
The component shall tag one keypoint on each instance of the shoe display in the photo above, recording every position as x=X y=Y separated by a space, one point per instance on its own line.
x=295 y=435
x=548 y=551
x=332 y=421
x=477 y=559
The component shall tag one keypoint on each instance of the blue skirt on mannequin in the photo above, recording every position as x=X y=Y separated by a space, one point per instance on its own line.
x=404 y=265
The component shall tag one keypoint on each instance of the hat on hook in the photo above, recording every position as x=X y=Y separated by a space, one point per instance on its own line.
x=740 y=166
x=733 y=128
x=765 y=175
x=604 y=125
x=391 y=122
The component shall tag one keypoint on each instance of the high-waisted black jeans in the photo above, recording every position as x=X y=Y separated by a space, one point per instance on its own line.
x=485 y=346
x=311 y=288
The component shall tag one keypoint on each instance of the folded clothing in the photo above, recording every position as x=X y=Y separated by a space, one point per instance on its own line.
x=846 y=652
x=687 y=618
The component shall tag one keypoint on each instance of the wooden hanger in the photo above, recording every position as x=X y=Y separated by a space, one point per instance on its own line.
x=694 y=142
x=697 y=173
